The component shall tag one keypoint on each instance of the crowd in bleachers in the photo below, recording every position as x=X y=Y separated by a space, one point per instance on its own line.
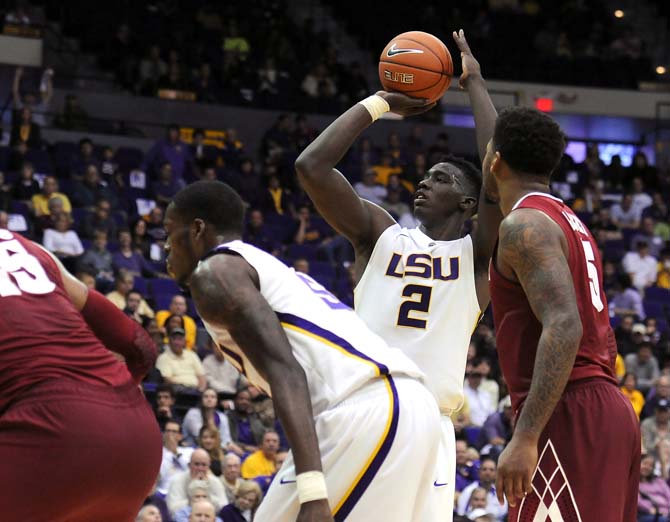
x=100 y=211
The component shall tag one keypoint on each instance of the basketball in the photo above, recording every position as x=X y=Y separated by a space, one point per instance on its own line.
x=417 y=64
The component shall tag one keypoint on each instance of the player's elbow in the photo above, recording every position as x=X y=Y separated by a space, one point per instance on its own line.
x=306 y=165
x=568 y=325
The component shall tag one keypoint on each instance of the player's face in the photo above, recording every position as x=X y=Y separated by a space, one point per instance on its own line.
x=181 y=257
x=439 y=194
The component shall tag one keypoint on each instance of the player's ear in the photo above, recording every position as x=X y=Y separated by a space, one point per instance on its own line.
x=468 y=203
x=496 y=163
x=198 y=228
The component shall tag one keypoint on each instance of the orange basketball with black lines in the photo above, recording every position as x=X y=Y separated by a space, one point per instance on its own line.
x=417 y=64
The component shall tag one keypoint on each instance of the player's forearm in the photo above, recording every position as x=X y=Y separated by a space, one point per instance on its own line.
x=294 y=408
x=483 y=110
x=556 y=353
x=326 y=151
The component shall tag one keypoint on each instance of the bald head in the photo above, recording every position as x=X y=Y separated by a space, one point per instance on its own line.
x=202 y=511
x=199 y=465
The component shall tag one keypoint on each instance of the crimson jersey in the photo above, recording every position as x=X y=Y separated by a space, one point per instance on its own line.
x=518 y=330
x=42 y=335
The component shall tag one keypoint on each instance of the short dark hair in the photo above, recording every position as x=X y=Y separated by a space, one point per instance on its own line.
x=471 y=174
x=484 y=458
x=529 y=141
x=212 y=201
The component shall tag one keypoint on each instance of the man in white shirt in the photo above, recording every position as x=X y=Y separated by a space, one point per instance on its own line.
x=487 y=480
x=220 y=374
x=198 y=469
x=181 y=367
x=369 y=188
x=479 y=399
x=175 y=457
x=642 y=267
x=625 y=214
x=641 y=199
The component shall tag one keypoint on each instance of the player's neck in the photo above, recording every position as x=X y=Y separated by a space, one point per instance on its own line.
x=448 y=230
x=512 y=191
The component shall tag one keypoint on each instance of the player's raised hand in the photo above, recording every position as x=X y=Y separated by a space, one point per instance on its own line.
x=468 y=62
x=315 y=511
x=406 y=105
x=516 y=466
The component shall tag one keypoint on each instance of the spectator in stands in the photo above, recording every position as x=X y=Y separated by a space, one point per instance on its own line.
x=629 y=389
x=658 y=210
x=317 y=77
x=5 y=194
x=648 y=234
x=643 y=365
x=62 y=241
x=150 y=513
x=197 y=492
x=246 y=428
x=179 y=367
x=100 y=219
x=466 y=471
x=133 y=302
x=276 y=198
x=170 y=149
x=603 y=227
x=83 y=158
x=247 y=500
x=628 y=300
x=87 y=192
x=439 y=149
x=221 y=375
x=203 y=511
x=177 y=496
x=497 y=429
x=123 y=284
x=206 y=414
x=624 y=335
x=55 y=209
x=155 y=227
x=231 y=478
x=234 y=43
x=141 y=242
x=396 y=207
x=209 y=439
x=152 y=68
x=487 y=479
x=477 y=503
x=385 y=169
x=301 y=265
x=624 y=214
x=369 y=188
x=97 y=259
x=257 y=234
x=661 y=391
x=176 y=458
x=309 y=231
x=663 y=279
x=4 y=220
x=480 y=401
x=73 y=117
x=40 y=106
x=167 y=185
x=178 y=307
x=654 y=497
x=262 y=461
x=125 y=258
x=25 y=130
x=641 y=200
x=49 y=190
x=483 y=366
x=108 y=166
x=26 y=186
x=641 y=266
x=657 y=428
x=165 y=409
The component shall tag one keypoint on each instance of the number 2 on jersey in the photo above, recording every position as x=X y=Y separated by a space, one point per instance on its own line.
x=28 y=274
x=420 y=305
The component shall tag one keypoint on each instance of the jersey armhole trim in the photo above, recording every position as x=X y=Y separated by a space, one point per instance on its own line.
x=372 y=254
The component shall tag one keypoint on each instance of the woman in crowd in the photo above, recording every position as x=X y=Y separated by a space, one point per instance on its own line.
x=206 y=414
x=629 y=389
x=247 y=499
x=654 y=498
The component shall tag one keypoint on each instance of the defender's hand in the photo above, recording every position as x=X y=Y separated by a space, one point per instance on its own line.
x=516 y=466
x=468 y=62
x=405 y=105
x=315 y=511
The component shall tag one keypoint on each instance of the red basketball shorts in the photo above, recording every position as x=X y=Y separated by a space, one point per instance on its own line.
x=589 y=459
x=74 y=452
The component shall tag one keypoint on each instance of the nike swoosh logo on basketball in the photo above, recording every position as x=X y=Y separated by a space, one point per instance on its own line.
x=439 y=484
x=393 y=51
x=284 y=481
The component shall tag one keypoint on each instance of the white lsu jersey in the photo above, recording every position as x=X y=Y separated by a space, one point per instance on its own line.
x=419 y=295
x=337 y=351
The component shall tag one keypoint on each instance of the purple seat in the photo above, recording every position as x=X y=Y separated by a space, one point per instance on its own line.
x=655 y=293
x=162 y=300
x=63 y=154
x=323 y=268
x=306 y=251
x=140 y=284
x=40 y=160
x=4 y=158
x=164 y=286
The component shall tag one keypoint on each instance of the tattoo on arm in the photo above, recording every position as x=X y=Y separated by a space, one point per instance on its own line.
x=530 y=244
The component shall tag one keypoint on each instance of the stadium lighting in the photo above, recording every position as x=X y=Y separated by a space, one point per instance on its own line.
x=619 y=13
x=661 y=70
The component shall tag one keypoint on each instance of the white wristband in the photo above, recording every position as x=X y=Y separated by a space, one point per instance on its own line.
x=311 y=486
x=376 y=106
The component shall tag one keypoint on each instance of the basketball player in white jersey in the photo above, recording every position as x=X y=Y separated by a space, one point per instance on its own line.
x=350 y=405
x=423 y=289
